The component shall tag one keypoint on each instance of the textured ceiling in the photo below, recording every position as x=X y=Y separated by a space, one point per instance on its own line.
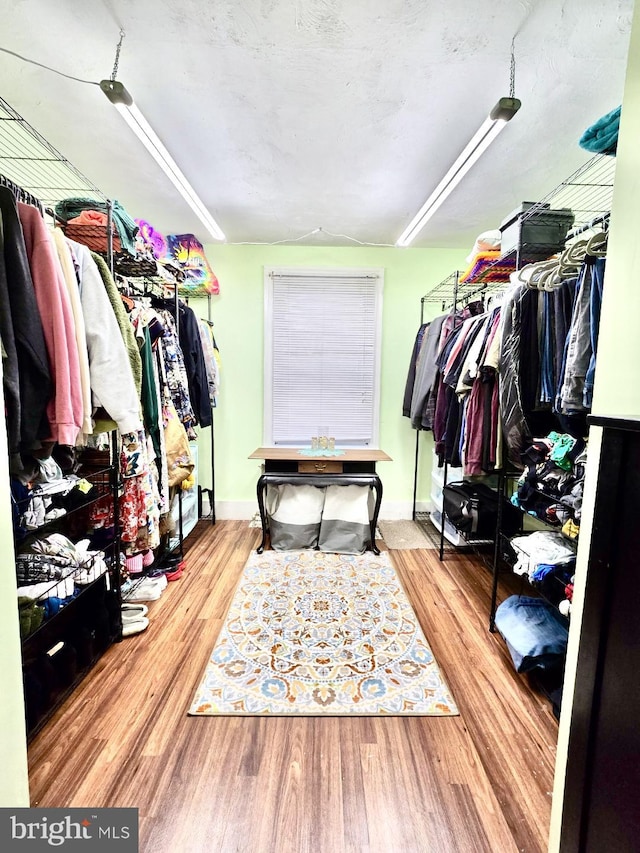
x=338 y=114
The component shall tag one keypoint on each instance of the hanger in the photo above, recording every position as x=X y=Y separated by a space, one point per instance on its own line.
x=597 y=245
x=21 y=194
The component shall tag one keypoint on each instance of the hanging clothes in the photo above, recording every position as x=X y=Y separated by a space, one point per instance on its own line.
x=576 y=392
x=140 y=505
x=150 y=401
x=597 y=285
x=71 y=283
x=411 y=376
x=65 y=410
x=211 y=356
x=112 y=382
x=27 y=376
x=479 y=453
x=195 y=366
x=124 y=325
x=426 y=370
x=176 y=374
x=148 y=329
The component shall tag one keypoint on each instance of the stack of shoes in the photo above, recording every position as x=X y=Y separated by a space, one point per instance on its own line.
x=171 y=568
x=134 y=619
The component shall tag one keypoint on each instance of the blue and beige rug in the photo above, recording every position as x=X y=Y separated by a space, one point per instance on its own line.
x=310 y=633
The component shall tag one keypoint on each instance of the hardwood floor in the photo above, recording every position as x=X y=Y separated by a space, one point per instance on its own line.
x=478 y=782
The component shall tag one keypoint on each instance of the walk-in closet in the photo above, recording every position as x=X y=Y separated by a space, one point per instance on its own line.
x=318 y=499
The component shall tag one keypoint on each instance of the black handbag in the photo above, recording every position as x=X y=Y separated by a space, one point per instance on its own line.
x=472 y=508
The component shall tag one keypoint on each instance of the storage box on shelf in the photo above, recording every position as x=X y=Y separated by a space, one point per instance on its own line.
x=438 y=479
x=434 y=514
x=535 y=229
x=453 y=536
x=189 y=505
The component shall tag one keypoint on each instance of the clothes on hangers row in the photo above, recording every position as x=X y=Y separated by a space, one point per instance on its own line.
x=422 y=374
x=548 y=356
x=523 y=369
x=76 y=366
x=64 y=356
x=453 y=390
x=175 y=398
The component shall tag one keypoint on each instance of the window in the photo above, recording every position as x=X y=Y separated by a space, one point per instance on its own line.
x=322 y=355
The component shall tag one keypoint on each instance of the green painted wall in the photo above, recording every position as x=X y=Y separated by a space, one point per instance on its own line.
x=14 y=783
x=238 y=315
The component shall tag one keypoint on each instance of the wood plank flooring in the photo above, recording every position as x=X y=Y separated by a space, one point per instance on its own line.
x=474 y=783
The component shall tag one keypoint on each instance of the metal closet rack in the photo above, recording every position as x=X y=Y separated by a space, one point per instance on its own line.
x=588 y=192
x=43 y=176
x=32 y=163
x=156 y=285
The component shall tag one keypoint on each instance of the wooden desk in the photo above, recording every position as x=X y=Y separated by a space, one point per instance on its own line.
x=288 y=465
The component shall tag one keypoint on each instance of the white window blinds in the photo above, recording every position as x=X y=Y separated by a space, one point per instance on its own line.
x=322 y=360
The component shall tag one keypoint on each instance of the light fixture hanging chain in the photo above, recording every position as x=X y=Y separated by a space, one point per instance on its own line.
x=512 y=78
x=117 y=59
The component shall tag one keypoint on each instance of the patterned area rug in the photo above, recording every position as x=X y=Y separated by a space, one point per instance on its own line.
x=310 y=633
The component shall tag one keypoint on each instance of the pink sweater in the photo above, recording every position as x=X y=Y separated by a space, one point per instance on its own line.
x=65 y=408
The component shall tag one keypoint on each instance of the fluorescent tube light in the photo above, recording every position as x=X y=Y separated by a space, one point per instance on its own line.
x=123 y=102
x=503 y=111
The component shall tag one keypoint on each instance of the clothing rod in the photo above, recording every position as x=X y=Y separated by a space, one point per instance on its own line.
x=20 y=193
x=580 y=229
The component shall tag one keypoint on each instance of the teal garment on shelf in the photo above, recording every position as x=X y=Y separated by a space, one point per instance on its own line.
x=310 y=451
x=126 y=227
x=602 y=137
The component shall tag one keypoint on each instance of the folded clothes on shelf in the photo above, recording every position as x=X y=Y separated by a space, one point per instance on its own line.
x=64 y=588
x=542 y=548
x=51 y=566
x=551 y=486
x=38 y=568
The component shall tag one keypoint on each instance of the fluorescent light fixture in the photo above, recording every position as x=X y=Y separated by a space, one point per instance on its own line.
x=123 y=102
x=503 y=111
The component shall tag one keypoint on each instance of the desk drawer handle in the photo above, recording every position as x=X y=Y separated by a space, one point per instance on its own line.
x=320 y=466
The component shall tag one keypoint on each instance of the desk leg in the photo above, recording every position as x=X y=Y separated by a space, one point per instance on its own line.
x=377 y=487
x=263 y=518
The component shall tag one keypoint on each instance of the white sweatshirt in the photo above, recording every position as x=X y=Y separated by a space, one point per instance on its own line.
x=112 y=383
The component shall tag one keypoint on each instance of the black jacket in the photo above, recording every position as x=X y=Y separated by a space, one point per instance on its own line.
x=191 y=346
x=19 y=301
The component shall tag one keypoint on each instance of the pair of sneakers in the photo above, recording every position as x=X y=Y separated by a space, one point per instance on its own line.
x=146 y=589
